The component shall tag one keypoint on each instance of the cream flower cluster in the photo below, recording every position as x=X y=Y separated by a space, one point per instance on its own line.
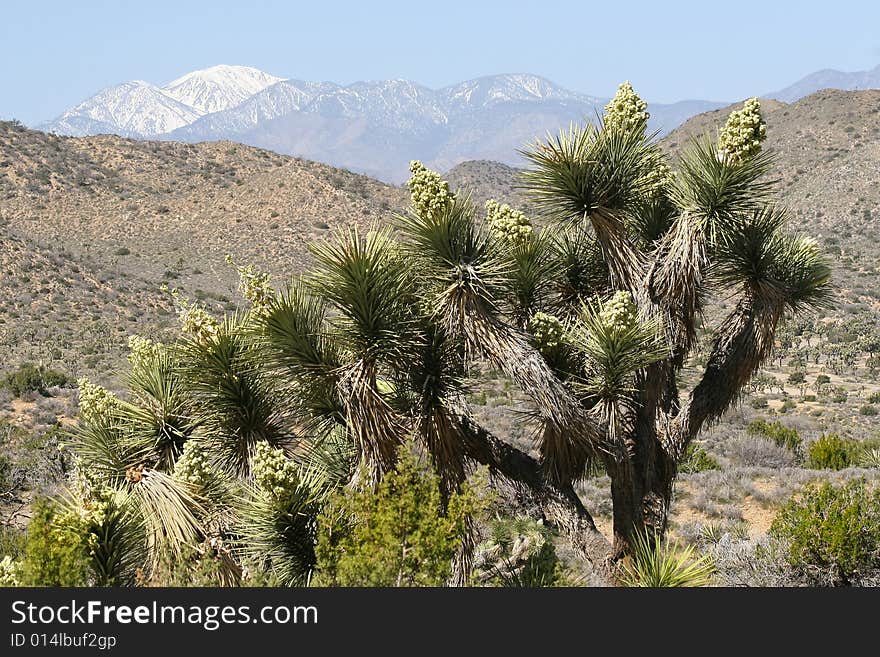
x=658 y=178
x=741 y=136
x=626 y=109
x=8 y=572
x=273 y=471
x=95 y=402
x=547 y=330
x=507 y=223
x=429 y=192
x=195 y=321
x=193 y=465
x=143 y=351
x=254 y=285
x=619 y=311
x=92 y=510
x=198 y=323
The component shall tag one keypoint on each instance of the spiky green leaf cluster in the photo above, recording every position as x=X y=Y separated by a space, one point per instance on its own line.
x=615 y=343
x=656 y=563
x=518 y=552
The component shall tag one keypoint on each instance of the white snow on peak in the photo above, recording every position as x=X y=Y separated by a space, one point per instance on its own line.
x=219 y=87
x=134 y=108
x=487 y=91
x=228 y=100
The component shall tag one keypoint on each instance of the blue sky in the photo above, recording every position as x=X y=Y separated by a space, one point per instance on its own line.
x=55 y=53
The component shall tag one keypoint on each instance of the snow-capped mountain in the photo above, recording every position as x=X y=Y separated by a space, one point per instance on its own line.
x=219 y=87
x=375 y=127
x=378 y=127
x=276 y=100
x=130 y=109
x=487 y=91
x=141 y=109
x=394 y=104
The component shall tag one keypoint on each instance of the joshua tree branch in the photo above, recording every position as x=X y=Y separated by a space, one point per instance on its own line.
x=740 y=346
x=560 y=501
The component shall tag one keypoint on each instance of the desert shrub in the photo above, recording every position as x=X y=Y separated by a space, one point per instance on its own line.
x=777 y=432
x=754 y=562
x=749 y=451
x=758 y=402
x=874 y=398
x=56 y=552
x=830 y=452
x=33 y=378
x=397 y=535
x=868 y=409
x=832 y=533
x=697 y=459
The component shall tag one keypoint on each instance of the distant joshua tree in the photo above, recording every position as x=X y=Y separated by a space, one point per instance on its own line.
x=593 y=316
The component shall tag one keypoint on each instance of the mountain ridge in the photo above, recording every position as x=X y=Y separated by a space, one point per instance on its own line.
x=375 y=127
x=828 y=79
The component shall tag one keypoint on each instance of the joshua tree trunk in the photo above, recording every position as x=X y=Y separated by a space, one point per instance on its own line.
x=641 y=491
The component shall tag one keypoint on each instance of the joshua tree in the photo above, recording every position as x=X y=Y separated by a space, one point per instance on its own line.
x=246 y=422
x=595 y=315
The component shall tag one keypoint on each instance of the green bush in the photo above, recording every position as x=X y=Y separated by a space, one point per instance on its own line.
x=830 y=452
x=868 y=409
x=397 y=535
x=777 y=432
x=56 y=552
x=874 y=398
x=697 y=459
x=832 y=533
x=32 y=378
x=11 y=542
